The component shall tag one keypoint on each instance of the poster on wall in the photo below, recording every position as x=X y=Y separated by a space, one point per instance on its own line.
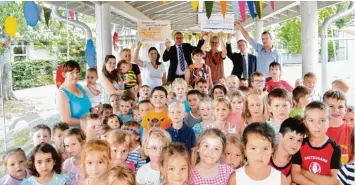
x=154 y=31
x=217 y=23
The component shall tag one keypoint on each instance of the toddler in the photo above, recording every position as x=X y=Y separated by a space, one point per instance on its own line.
x=233 y=155
x=301 y=97
x=114 y=102
x=120 y=144
x=14 y=164
x=126 y=76
x=40 y=133
x=93 y=89
x=206 y=112
x=121 y=175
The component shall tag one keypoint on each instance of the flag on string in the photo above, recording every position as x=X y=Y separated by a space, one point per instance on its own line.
x=164 y=2
x=271 y=5
x=223 y=5
x=251 y=9
x=115 y=40
x=47 y=15
x=236 y=10
x=194 y=5
x=209 y=7
x=259 y=7
x=243 y=14
x=71 y=14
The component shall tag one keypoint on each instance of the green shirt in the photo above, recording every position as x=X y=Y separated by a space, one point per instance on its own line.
x=296 y=112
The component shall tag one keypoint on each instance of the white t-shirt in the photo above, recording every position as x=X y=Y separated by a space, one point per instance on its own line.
x=273 y=179
x=153 y=77
x=95 y=100
x=147 y=176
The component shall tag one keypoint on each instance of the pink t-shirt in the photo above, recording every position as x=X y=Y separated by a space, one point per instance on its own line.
x=270 y=85
x=236 y=121
x=74 y=172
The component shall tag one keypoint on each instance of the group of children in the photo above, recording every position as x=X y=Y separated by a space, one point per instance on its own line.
x=235 y=133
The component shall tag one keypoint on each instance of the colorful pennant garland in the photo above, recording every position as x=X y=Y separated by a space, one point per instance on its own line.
x=209 y=7
x=71 y=14
x=251 y=9
x=223 y=5
x=243 y=14
x=259 y=8
x=194 y=5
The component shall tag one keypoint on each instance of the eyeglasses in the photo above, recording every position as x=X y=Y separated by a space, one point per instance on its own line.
x=258 y=81
x=157 y=149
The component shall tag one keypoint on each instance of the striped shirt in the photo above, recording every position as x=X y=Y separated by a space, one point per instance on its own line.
x=346 y=174
x=134 y=156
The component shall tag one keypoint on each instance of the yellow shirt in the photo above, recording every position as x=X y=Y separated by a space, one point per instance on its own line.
x=156 y=119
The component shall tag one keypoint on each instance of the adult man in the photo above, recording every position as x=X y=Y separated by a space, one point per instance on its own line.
x=266 y=53
x=244 y=64
x=179 y=56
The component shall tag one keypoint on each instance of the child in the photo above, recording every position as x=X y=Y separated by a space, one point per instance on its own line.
x=302 y=97
x=113 y=121
x=144 y=93
x=244 y=82
x=120 y=145
x=346 y=173
x=114 y=99
x=221 y=111
x=14 y=164
x=233 y=155
x=121 y=175
x=45 y=166
x=205 y=159
x=246 y=90
x=232 y=83
x=96 y=158
x=125 y=107
x=349 y=116
x=338 y=131
x=57 y=131
x=40 y=133
x=106 y=110
x=258 y=139
x=144 y=107
x=105 y=130
x=340 y=85
x=218 y=91
x=257 y=81
x=318 y=160
x=91 y=126
x=180 y=90
x=93 y=89
x=136 y=115
x=159 y=116
x=279 y=102
x=292 y=132
x=73 y=141
x=193 y=117
x=276 y=82
x=126 y=76
x=205 y=109
x=175 y=165
x=202 y=86
x=198 y=70
x=179 y=131
x=235 y=117
x=154 y=144
x=132 y=127
x=254 y=110
x=299 y=82
x=310 y=81
x=221 y=81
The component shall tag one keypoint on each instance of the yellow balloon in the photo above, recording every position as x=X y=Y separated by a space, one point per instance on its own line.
x=10 y=26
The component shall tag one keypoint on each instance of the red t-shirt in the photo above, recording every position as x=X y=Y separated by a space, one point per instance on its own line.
x=318 y=160
x=341 y=135
x=270 y=85
x=285 y=170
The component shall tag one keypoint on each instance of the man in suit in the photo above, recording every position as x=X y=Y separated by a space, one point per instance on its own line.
x=179 y=56
x=244 y=64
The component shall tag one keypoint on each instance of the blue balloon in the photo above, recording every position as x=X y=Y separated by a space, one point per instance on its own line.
x=90 y=53
x=31 y=13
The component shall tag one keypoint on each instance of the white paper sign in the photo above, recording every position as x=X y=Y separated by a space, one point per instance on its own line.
x=218 y=23
x=154 y=31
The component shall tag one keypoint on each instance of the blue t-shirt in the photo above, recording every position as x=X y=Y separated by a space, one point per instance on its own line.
x=58 y=179
x=184 y=135
x=125 y=119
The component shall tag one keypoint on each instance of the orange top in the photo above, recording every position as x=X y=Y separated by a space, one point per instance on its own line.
x=156 y=119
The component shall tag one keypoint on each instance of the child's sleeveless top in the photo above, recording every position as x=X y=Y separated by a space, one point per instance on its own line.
x=273 y=179
x=224 y=172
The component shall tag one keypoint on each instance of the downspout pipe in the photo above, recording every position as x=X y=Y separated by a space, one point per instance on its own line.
x=72 y=22
x=324 y=42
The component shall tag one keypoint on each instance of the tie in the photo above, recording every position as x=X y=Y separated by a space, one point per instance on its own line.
x=181 y=59
x=245 y=71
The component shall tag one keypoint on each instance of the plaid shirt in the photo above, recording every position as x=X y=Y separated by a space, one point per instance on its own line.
x=224 y=172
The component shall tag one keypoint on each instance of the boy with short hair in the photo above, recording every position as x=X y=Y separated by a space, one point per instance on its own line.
x=279 y=102
x=40 y=133
x=318 y=160
x=310 y=81
x=244 y=82
x=302 y=97
x=193 y=117
x=276 y=82
x=202 y=86
x=179 y=131
x=158 y=117
x=144 y=107
x=91 y=126
x=125 y=107
x=291 y=134
x=106 y=110
x=57 y=131
x=180 y=89
x=144 y=93
x=245 y=90
x=93 y=89
x=257 y=81
x=340 y=85
x=338 y=131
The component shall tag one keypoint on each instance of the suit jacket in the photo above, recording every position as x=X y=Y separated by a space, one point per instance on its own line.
x=172 y=56
x=238 y=62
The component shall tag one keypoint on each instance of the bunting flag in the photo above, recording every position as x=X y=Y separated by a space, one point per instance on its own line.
x=272 y=5
x=194 y=5
x=197 y=36
x=251 y=9
x=259 y=7
x=223 y=5
x=186 y=37
x=10 y=26
x=236 y=10
x=209 y=7
x=115 y=40
x=47 y=14
x=164 y=2
x=71 y=14
x=65 y=14
x=243 y=14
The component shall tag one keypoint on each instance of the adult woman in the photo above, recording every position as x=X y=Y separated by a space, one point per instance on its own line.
x=214 y=58
x=125 y=54
x=73 y=101
x=110 y=77
x=154 y=72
